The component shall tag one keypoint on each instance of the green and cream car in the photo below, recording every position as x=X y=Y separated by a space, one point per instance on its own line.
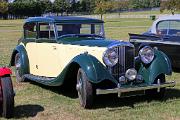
x=74 y=52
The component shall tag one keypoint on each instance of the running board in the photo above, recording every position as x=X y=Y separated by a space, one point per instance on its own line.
x=37 y=78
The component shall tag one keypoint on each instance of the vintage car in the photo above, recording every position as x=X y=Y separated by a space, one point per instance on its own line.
x=6 y=93
x=73 y=51
x=165 y=35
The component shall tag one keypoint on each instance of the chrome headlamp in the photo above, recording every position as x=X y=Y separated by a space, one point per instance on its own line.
x=146 y=54
x=110 y=57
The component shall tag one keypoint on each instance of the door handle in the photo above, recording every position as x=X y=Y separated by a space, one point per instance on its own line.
x=54 y=47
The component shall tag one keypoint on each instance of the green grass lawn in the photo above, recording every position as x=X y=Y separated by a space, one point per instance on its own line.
x=35 y=101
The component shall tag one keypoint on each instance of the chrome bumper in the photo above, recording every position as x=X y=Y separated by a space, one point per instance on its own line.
x=120 y=90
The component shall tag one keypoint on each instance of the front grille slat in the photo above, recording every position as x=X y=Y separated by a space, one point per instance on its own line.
x=126 y=61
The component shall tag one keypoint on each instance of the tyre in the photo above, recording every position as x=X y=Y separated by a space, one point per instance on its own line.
x=84 y=89
x=154 y=93
x=18 y=68
x=8 y=97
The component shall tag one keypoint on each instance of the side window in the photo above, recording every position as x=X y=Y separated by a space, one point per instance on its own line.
x=46 y=30
x=30 y=30
x=59 y=28
x=174 y=28
x=162 y=27
x=86 y=29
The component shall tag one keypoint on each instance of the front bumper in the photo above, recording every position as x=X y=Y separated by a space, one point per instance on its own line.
x=120 y=89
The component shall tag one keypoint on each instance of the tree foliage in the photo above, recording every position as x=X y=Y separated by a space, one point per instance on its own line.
x=136 y=4
x=120 y=5
x=3 y=7
x=102 y=6
x=171 y=5
x=61 y=6
x=87 y=6
x=27 y=8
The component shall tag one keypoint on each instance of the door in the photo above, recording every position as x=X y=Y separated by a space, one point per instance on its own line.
x=47 y=51
x=171 y=40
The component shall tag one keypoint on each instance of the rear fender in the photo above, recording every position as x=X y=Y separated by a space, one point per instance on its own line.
x=24 y=58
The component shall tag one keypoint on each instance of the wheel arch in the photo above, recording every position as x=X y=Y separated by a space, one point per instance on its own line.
x=93 y=68
x=12 y=61
x=70 y=76
x=24 y=58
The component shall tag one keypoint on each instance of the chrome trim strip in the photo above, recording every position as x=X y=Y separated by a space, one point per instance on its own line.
x=120 y=43
x=157 y=41
x=120 y=90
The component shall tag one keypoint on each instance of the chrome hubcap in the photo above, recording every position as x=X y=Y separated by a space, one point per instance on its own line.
x=79 y=85
x=18 y=64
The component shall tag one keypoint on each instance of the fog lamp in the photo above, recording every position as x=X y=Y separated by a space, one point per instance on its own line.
x=131 y=74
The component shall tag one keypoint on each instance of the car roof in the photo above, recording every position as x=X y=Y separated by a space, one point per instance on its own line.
x=169 y=17
x=64 y=19
x=163 y=18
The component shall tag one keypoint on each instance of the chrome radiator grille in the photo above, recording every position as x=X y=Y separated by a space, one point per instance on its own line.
x=126 y=60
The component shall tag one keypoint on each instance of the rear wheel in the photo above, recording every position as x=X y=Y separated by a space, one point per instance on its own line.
x=8 y=97
x=84 y=89
x=18 y=67
x=154 y=93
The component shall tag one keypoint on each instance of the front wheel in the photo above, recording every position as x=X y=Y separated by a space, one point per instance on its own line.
x=8 y=97
x=18 y=67
x=154 y=93
x=84 y=89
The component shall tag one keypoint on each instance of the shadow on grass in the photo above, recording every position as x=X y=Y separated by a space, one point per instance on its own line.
x=25 y=111
x=112 y=100
x=176 y=70
x=63 y=90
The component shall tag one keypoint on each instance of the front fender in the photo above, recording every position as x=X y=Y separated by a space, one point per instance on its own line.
x=94 y=69
x=160 y=65
x=24 y=58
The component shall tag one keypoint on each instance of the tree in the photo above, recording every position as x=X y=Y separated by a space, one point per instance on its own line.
x=30 y=8
x=102 y=6
x=172 y=5
x=61 y=6
x=45 y=6
x=121 y=5
x=87 y=6
x=75 y=7
x=154 y=3
x=4 y=9
x=137 y=4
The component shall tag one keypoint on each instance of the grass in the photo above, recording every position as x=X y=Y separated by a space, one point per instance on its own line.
x=34 y=101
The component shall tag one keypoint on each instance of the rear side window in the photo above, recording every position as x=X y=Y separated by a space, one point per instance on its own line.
x=170 y=27
x=46 y=30
x=174 y=28
x=30 y=30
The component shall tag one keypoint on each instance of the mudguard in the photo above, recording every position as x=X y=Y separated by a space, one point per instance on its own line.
x=94 y=69
x=160 y=65
x=5 y=71
x=24 y=58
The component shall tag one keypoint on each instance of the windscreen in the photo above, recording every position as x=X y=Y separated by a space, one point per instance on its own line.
x=79 y=29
